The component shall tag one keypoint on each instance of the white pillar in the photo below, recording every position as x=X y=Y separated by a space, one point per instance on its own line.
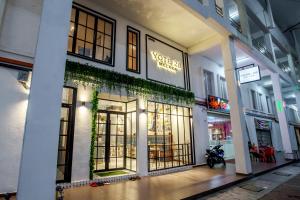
x=270 y=13
x=239 y=131
x=284 y=129
x=39 y=154
x=142 y=146
x=2 y=11
x=201 y=138
x=297 y=93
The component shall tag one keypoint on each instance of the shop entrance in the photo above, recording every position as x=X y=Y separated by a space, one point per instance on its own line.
x=264 y=138
x=220 y=132
x=115 y=144
x=110 y=143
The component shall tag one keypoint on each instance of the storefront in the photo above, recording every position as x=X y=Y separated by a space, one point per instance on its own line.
x=263 y=133
x=114 y=117
x=219 y=125
x=297 y=132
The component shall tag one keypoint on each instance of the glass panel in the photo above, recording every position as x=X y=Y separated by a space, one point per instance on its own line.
x=82 y=18
x=88 y=49
x=99 y=53
x=100 y=26
x=90 y=35
x=107 y=42
x=70 y=44
x=112 y=163
x=81 y=32
x=151 y=106
x=108 y=28
x=113 y=119
x=73 y=14
x=120 y=119
x=79 y=47
x=71 y=31
x=91 y=21
x=100 y=39
x=101 y=140
x=107 y=56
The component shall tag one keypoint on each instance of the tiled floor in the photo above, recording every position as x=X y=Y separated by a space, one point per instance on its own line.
x=170 y=186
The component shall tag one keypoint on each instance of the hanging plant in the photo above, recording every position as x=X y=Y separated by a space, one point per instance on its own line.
x=95 y=77
x=94 y=128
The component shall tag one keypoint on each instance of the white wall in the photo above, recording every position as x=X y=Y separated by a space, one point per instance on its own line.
x=20 y=28
x=13 y=107
x=198 y=63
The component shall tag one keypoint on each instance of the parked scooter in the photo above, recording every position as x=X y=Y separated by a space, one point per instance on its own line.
x=214 y=156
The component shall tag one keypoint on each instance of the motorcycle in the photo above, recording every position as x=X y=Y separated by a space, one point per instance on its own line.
x=214 y=156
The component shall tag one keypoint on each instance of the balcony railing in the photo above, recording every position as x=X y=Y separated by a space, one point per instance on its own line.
x=219 y=10
x=235 y=24
x=263 y=49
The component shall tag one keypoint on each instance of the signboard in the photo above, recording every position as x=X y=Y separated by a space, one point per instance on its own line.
x=249 y=74
x=164 y=63
x=218 y=104
x=262 y=124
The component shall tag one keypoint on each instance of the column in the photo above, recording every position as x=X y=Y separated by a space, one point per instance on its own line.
x=2 y=11
x=39 y=154
x=239 y=131
x=270 y=47
x=201 y=138
x=297 y=93
x=284 y=129
x=292 y=66
x=270 y=13
x=142 y=146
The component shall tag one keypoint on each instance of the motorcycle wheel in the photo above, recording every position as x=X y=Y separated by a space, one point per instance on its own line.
x=210 y=162
x=223 y=161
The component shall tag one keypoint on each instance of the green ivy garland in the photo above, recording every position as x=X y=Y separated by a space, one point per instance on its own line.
x=94 y=127
x=96 y=77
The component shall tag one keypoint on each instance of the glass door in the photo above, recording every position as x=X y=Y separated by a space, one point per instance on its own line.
x=64 y=157
x=110 y=143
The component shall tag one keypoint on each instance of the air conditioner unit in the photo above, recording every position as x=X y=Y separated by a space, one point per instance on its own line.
x=24 y=77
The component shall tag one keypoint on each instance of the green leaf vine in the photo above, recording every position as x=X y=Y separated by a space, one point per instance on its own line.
x=88 y=75
x=93 y=137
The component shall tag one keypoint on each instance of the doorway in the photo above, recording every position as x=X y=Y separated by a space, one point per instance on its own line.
x=110 y=143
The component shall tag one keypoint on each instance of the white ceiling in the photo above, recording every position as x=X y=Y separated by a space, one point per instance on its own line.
x=167 y=18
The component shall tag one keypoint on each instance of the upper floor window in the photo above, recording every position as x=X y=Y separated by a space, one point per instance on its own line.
x=223 y=88
x=208 y=82
x=91 y=36
x=133 y=50
x=254 y=100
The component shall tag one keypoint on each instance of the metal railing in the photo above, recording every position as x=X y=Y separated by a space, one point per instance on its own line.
x=263 y=49
x=219 y=10
x=235 y=24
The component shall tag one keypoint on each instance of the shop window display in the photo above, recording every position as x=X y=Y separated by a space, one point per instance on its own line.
x=169 y=136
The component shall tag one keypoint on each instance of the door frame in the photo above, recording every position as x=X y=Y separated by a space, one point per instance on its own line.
x=70 y=139
x=107 y=140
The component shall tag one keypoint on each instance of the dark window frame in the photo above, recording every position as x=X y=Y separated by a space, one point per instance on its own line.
x=138 y=51
x=98 y=16
x=190 y=155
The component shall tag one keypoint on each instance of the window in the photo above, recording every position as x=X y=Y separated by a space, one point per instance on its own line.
x=91 y=36
x=259 y=102
x=268 y=104
x=223 y=88
x=133 y=50
x=254 y=100
x=169 y=136
x=208 y=82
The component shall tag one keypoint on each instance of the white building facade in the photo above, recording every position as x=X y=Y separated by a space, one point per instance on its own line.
x=96 y=86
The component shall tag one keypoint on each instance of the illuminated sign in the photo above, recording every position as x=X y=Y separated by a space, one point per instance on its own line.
x=165 y=62
x=262 y=124
x=249 y=74
x=218 y=104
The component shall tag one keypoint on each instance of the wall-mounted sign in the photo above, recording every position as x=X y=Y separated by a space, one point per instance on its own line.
x=262 y=124
x=218 y=104
x=165 y=63
x=248 y=74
